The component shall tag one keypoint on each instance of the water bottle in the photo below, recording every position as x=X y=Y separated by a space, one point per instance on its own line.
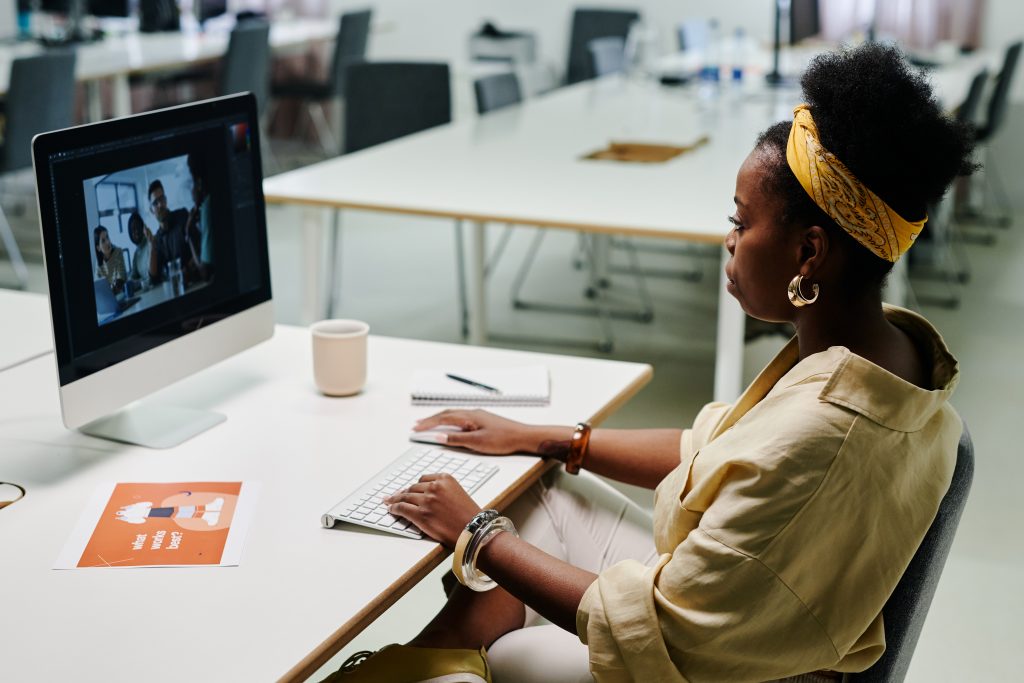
x=712 y=55
x=739 y=54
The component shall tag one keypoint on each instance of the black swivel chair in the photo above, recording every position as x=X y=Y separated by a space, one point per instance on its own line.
x=40 y=98
x=996 y=115
x=385 y=101
x=588 y=24
x=496 y=92
x=905 y=610
x=349 y=48
x=936 y=256
x=247 y=61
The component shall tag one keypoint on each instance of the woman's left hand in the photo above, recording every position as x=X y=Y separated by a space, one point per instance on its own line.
x=437 y=504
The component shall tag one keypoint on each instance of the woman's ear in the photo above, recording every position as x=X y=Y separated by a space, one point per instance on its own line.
x=814 y=250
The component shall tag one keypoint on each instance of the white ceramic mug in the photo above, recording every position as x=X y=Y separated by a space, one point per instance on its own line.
x=339 y=356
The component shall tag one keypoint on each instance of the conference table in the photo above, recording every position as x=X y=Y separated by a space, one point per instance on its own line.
x=118 y=57
x=300 y=592
x=524 y=165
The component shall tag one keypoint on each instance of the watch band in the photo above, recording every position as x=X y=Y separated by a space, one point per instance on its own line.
x=578 y=448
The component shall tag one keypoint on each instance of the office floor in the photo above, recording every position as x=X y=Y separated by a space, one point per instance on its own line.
x=398 y=274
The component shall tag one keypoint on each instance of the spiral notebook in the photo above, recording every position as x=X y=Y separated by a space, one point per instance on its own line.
x=518 y=386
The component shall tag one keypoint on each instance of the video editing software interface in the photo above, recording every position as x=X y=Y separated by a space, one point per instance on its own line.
x=157 y=235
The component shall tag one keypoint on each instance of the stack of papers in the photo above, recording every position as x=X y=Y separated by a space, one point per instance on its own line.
x=516 y=386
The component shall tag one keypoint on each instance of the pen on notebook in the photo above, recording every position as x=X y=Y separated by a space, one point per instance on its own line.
x=466 y=380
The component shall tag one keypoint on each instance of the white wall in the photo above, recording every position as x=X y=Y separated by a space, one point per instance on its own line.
x=1004 y=24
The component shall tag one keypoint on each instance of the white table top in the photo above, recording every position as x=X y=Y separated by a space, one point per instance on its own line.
x=136 y=53
x=523 y=165
x=300 y=591
x=26 y=326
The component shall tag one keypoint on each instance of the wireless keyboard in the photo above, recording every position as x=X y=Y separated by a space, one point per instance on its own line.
x=364 y=507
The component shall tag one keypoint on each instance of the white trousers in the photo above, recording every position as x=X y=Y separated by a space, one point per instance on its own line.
x=586 y=522
x=583 y=521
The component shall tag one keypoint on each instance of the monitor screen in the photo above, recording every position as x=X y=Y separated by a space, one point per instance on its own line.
x=803 y=20
x=153 y=228
x=108 y=8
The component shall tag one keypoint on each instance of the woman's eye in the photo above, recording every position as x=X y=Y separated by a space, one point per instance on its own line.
x=735 y=223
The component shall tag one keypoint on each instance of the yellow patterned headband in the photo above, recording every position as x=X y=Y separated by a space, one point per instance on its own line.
x=846 y=200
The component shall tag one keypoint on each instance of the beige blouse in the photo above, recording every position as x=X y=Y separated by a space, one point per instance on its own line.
x=787 y=525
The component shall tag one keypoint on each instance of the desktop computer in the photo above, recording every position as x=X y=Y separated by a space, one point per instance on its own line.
x=155 y=247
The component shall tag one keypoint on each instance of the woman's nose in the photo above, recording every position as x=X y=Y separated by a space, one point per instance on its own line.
x=730 y=241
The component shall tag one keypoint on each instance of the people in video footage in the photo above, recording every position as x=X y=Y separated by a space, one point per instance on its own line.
x=165 y=252
x=109 y=260
x=176 y=240
x=199 y=217
x=145 y=255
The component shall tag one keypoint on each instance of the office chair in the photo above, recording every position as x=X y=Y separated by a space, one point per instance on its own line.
x=996 y=114
x=938 y=255
x=385 y=101
x=588 y=24
x=349 y=48
x=905 y=610
x=246 y=65
x=40 y=98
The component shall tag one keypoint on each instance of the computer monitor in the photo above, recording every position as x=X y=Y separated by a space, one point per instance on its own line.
x=108 y=8
x=803 y=20
x=155 y=246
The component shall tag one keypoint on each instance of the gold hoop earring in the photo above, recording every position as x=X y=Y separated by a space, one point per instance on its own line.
x=796 y=297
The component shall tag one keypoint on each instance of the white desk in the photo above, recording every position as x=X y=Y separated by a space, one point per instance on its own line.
x=26 y=326
x=522 y=165
x=301 y=592
x=119 y=57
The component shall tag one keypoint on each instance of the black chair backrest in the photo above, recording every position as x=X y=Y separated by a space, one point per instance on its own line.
x=387 y=100
x=247 y=61
x=40 y=98
x=608 y=55
x=1001 y=93
x=497 y=91
x=908 y=605
x=588 y=24
x=159 y=15
x=353 y=36
x=968 y=109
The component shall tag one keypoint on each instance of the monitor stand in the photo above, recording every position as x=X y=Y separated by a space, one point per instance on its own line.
x=158 y=426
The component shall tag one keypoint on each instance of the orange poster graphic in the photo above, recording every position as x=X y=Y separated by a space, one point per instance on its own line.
x=162 y=524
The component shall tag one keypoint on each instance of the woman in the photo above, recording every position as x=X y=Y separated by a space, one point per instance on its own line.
x=109 y=260
x=145 y=255
x=782 y=522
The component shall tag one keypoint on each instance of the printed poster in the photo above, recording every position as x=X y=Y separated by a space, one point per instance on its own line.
x=185 y=524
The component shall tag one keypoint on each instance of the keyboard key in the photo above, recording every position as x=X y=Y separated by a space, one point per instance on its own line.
x=365 y=506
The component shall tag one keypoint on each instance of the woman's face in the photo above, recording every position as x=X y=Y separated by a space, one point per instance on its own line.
x=104 y=245
x=765 y=254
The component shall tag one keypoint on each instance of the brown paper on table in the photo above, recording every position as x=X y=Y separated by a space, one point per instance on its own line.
x=642 y=152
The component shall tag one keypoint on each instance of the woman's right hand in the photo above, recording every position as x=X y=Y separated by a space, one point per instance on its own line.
x=483 y=432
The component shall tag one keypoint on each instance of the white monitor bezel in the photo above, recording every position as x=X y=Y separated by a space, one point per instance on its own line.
x=104 y=392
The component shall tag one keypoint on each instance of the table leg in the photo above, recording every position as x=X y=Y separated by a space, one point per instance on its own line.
x=94 y=101
x=122 y=96
x=602 y=259
x=477 y=258
x=314 y=227
x=729 y=344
